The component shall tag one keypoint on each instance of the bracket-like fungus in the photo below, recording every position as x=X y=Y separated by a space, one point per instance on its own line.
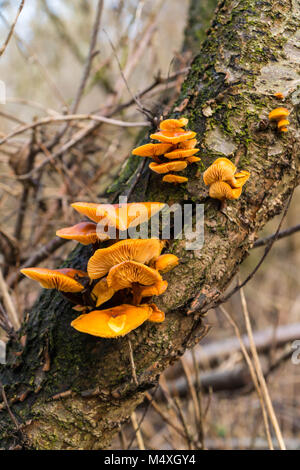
x=60 y=279
x=140 y=250
x=120 y=216
x=174 y=179
x=161 y=168
x=157 y=316
x=173 y=137
x=113 y=322
x=156 y=289
x=84 y=232
x=170 y=124
x=280 y=116
x=223 y=181
x=177 y=144
x=181 y=153
x=152 y=150
x=165 y=263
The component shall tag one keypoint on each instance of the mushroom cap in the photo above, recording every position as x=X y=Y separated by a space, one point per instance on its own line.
x=150 y=150
x=121 y=216
x=188 y=144
x=239 y=179
x=283 y=123
x=157 y=316
x=221 y=190
x=173 y=137
x=284 y=129
x=221 y=169
x=193 y=159
x=123 y=275
x=141 y=250
x=112 y=322
x=60 y=279
x=101 y=292
x=161 y=168
x=170 y=124
x=181 y=153
x=84 y=232
x=278 y=113
x=279 y=95
x=165 y=263
x=174 y=179
x=156 y=289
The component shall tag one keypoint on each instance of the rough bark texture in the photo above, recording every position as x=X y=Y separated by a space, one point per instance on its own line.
x=251 y=52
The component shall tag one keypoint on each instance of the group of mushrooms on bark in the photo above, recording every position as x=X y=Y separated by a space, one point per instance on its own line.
x=123 y=277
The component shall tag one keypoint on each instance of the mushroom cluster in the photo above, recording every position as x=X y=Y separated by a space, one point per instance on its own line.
x=174 y=152
x=223 y=180
x=120 y=278
x=280 y=115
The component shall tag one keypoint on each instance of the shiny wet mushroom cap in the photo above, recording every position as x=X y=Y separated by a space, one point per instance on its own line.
x=84 y=232
x=113 y=322
x=161 y=168
x=170 y=124
x=150 y=150
x=174 y=179
x=60 y=279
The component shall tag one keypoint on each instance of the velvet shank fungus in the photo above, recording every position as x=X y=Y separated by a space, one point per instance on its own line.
x=223 y=180
x=176 y=144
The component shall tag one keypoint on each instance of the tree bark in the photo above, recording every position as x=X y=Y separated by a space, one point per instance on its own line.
x=250 y=53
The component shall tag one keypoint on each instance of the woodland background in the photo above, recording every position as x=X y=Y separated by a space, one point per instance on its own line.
x=42 y=68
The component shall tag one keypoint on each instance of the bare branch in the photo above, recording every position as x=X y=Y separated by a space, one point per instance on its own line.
x=11 y=31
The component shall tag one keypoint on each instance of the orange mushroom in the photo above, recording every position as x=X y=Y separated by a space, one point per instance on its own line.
x=140 y=250
x=222 y=169
x=165 y=263
x=125 y=274
x=239 y=179
x=279 y=115
x=61 y=279
x=193 y=159
x=150 y=150
x=279 y=95
x=121 y=216
x=188 y=144
x=161 y=168
x=171 y=124
x=102 y=292
x=173 y=137
x=221 y=190
x=157 y=316
x=156 y=289
x=174 y=179
x=84 y=232
x=181 y=153
x=113 y=322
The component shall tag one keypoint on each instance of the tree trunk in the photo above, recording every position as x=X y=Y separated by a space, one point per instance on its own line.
x=250 y=53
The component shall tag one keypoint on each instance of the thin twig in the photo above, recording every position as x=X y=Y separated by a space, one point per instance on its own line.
x=260 y=374
x=11 y=31
x=137 y=431
x=133 y=369
x=252 y=373
x=72 y=117
x=266 y=252
x=91 y=54
x=282 y=234
x=8 y=302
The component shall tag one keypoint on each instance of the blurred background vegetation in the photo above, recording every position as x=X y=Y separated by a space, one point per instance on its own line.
x=207 y=400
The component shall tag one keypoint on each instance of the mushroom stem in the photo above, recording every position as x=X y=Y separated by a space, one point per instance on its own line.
x=136 y=291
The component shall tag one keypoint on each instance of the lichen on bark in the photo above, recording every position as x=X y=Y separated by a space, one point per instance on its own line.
x=226 y=96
